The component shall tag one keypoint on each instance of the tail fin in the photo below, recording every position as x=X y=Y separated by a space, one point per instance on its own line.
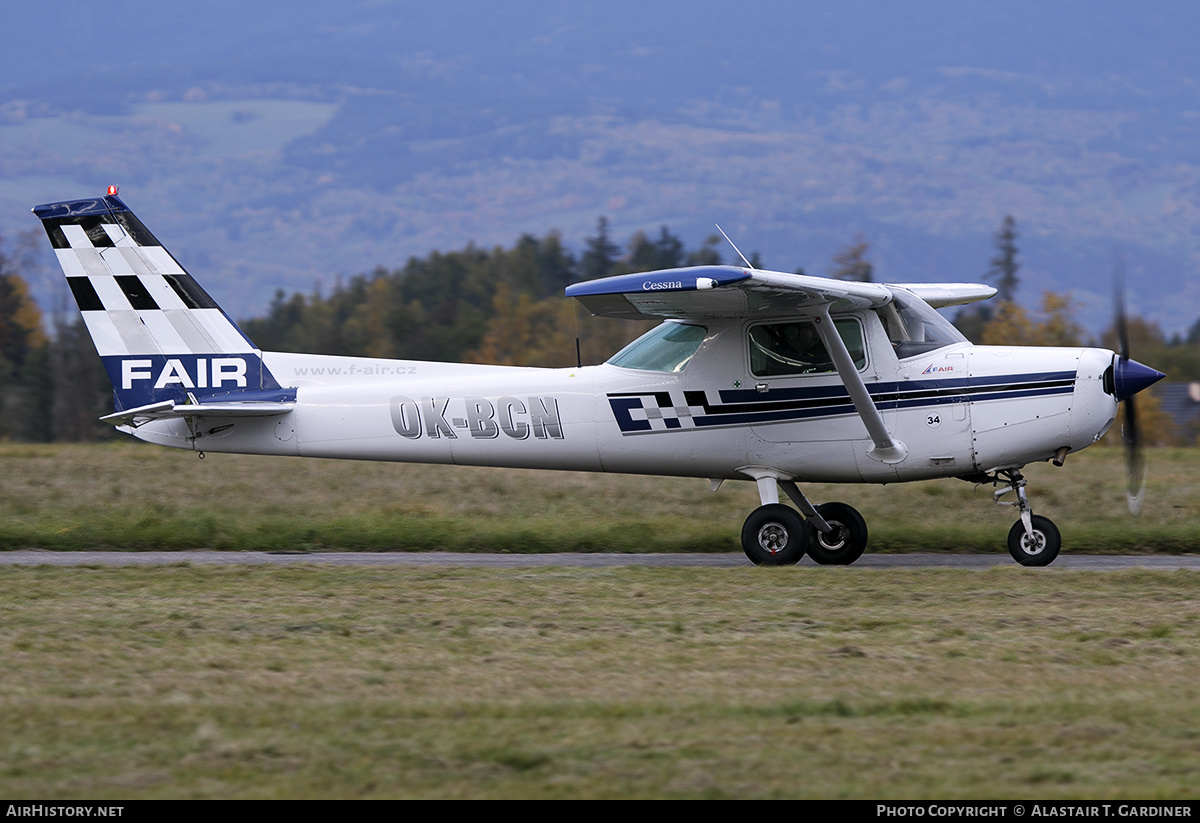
x=160 y=335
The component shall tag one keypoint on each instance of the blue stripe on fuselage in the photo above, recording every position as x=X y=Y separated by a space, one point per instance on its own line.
x=749 y=406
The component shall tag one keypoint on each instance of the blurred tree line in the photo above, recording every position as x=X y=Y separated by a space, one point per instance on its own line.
x=52 y=384
x=503 y=305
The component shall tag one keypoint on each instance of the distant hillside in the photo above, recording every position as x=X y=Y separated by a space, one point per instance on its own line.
x=276 y=146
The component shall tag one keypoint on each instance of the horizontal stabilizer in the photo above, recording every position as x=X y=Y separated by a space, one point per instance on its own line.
x=168 y=409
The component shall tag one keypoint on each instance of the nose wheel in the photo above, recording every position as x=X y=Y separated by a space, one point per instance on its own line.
x=1036 y=546
x=1033 y=540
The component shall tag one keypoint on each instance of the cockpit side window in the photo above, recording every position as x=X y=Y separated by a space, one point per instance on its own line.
x=914 y=327
x=665 y=348
x=779 y=349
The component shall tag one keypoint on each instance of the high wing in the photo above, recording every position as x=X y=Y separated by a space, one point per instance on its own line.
x=703 y=292
x=730 y=291
x=941 y=295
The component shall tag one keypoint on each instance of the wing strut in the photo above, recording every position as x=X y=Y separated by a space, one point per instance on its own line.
x=887 y=450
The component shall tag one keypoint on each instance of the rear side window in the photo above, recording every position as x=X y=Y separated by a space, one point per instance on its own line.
x=778 y=349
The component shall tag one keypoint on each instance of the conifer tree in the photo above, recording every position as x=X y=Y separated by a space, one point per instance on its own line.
x=601 y=252
x=851 y=262
x=1004 y=265
x=706 y=255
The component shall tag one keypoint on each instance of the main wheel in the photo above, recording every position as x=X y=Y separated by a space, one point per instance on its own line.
x=1036 y=549
x=845 y=543
x=774 y=535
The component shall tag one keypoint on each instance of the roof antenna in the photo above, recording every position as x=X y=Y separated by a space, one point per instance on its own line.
x=735 y=248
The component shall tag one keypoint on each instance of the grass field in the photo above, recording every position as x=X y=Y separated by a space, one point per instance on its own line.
x=129 y=495
x=191 y=681
x=255 y=682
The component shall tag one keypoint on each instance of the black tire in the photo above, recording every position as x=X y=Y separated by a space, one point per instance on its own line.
x=774 y=535
x=1041 y=549
x=845 y=543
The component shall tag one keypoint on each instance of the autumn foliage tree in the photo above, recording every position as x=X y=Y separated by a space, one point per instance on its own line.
x=523 y=331
x=23 y=366
x=52 y=385
x=1011 y=325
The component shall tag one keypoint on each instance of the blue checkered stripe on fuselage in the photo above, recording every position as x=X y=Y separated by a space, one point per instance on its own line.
x=678 y=410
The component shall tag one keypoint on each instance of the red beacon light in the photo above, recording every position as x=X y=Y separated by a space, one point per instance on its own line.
x=112 y=191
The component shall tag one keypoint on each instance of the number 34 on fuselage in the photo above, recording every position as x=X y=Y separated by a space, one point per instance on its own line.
x=754 y=375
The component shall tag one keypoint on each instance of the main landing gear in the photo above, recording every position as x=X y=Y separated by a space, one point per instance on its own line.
x=774 y=535
x=1033 y=540
x=846 y=539
x=833 y=534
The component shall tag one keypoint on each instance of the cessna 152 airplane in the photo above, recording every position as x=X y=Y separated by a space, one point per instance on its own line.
x=753 y=375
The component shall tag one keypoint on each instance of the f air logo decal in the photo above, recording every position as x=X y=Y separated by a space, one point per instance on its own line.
x=484 y=420
x=204 y=373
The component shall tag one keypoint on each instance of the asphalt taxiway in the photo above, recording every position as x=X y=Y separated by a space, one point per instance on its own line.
x=1067 y=561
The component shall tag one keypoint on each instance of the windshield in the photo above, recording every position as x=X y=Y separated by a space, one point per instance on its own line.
x=668 y=348
x=914 y=327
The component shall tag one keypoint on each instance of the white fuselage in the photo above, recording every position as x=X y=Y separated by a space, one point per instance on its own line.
x=959 y=410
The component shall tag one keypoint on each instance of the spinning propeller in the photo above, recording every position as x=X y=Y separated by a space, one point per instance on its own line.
x=1129 y=378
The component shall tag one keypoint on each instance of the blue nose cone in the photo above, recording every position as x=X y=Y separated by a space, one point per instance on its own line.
x=1130 y=377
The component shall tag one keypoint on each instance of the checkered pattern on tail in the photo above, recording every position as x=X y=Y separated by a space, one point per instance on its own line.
x=135 y=298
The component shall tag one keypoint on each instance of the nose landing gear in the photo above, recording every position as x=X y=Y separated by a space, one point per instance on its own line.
x=1033 y=540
